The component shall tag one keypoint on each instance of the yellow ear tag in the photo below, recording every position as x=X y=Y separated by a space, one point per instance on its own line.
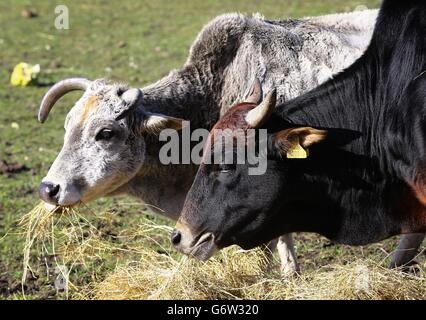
x=297 y=152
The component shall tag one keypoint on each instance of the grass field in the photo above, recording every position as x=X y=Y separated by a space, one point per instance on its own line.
x=132 y=41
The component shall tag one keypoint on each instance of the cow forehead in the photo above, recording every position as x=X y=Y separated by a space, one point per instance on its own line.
x=98 y=103
x=234 y=118
x=89 y=106
x=231 y=121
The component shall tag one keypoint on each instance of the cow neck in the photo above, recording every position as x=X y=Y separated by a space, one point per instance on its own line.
x=182 y=94
x=365 y=104
x=360 y=104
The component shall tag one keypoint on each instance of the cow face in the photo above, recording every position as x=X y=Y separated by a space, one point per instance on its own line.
x=226 y=204
x=104 y=143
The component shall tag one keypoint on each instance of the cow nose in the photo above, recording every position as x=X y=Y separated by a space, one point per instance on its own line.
x=49 y=192
x=175 y=237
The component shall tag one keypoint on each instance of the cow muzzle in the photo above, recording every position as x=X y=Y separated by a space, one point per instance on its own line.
x=201 y=247
x=58 y=195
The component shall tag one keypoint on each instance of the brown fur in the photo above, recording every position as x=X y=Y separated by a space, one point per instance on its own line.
x=235 y=117
x=411 y=208
x=91 y=104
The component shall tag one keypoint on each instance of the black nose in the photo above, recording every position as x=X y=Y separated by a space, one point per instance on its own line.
x=175 y=237
x=49 y=192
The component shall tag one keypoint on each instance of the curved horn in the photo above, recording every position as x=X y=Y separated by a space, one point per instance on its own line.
x=58 y=91
x=257 y=116
x=256 y=92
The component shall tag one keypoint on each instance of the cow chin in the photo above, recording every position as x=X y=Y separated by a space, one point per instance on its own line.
x=205 y=248
x=71 y=197
x=201 y=247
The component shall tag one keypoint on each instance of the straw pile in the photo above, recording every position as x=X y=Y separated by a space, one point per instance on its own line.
x=63 y=236
x=239 y=275
x=149 y=270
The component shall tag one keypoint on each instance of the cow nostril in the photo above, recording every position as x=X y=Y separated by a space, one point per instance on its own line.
x=52 y=190
x=49 y=192
x=175 y=237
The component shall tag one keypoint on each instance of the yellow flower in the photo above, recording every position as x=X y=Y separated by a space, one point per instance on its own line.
x=23 y=74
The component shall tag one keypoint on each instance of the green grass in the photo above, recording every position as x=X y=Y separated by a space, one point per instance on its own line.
x=157 y=35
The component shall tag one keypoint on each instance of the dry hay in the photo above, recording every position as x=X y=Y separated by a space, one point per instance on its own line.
x=234 y=274
x=147 y=273
x=38 y=226
x=64 y=236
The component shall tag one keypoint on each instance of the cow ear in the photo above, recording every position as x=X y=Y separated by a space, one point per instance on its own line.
x=154 y=123
x=294 y=143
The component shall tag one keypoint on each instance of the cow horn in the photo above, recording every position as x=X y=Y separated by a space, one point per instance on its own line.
x=58 y=91
x=256 y=93
x=257 y=116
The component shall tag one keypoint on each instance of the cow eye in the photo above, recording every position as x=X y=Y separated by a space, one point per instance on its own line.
x=104 y=134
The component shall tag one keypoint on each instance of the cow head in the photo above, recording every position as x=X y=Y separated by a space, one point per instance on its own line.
x=226 y=205
x=104 y=144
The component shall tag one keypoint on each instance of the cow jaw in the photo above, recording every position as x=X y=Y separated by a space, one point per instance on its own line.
x=49 y=207
x=204 y=248
x=201 y=247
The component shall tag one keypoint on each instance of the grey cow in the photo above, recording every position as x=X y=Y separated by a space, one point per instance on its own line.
x=111 y=142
